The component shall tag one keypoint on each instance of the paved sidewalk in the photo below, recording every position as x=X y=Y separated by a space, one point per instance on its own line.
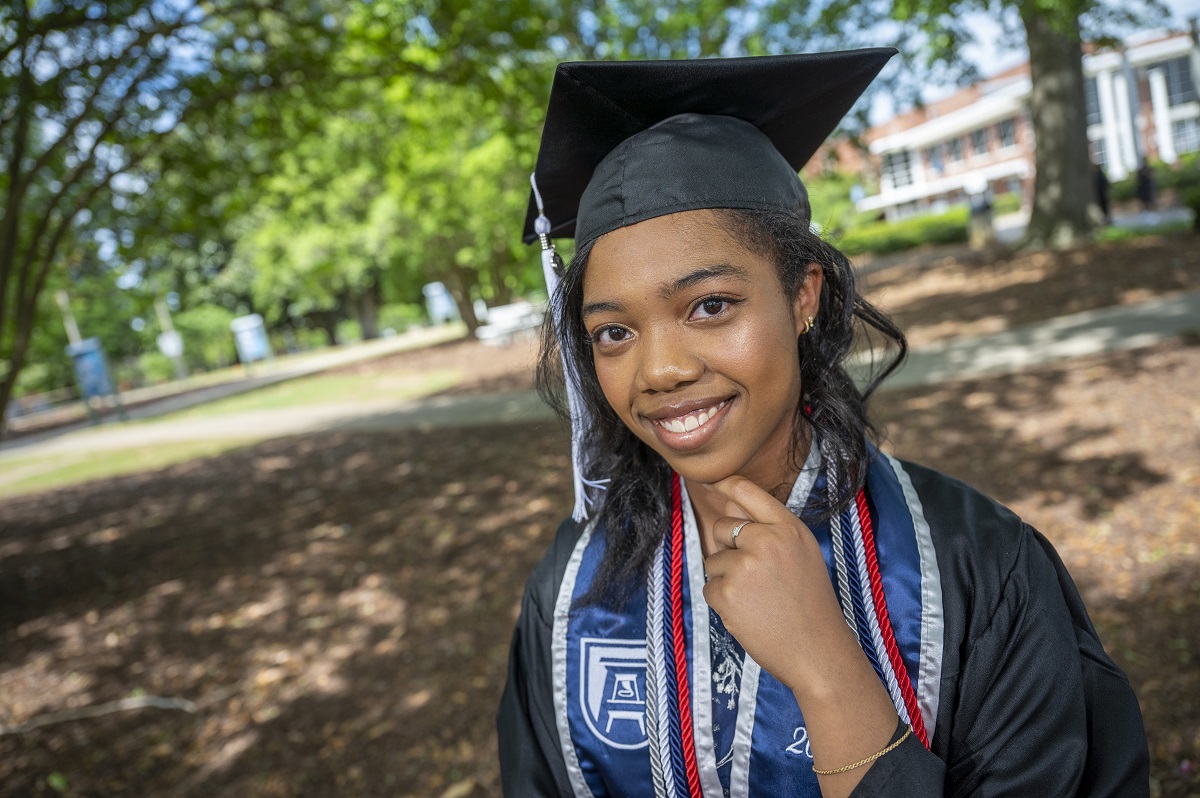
x=261 y=376
x=1092 y=332
x=1077 y=335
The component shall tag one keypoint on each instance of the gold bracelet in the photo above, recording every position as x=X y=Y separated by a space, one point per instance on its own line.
x=868 y=760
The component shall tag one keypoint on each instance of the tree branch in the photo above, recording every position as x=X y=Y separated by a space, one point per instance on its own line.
x=98 y=710
x=131 y=90
x=12 y=210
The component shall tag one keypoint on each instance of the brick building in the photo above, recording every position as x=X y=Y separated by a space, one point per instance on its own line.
x=982 y=136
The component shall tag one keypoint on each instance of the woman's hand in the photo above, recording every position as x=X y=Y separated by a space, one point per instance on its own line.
x=773 y=593
x=772 y=589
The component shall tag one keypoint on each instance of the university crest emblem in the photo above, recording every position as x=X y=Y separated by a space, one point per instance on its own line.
x=613 y=690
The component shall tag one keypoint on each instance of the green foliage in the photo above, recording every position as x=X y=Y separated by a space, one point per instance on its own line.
x=349 y=331
x=154 y=368
x=1191 y=199
x=1117 y=234
x=1006 y=203
x=207 y=338
x=1182 y=175
x=882 y=237
x=312 y=160
x=401 y=316
x=829 y=195
x=934 y=35
x=1122 y=190
x=101 y=311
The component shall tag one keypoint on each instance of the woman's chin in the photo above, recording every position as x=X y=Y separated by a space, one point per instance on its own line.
x=699 y=472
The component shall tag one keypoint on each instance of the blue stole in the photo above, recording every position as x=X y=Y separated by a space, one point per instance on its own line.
x=634 y=688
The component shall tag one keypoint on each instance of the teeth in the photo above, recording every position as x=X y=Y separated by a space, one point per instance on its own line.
x=691 y=421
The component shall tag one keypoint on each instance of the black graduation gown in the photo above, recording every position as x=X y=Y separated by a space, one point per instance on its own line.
x=1030 y=704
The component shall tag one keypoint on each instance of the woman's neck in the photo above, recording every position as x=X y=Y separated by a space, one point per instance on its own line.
x=709 y=505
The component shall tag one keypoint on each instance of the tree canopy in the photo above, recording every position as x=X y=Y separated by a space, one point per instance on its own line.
x=312 y=160
x=91 y=97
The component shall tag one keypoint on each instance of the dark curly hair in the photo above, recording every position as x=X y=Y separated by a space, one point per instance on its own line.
x=634 y=509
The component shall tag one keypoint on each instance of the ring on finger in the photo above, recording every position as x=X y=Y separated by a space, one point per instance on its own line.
x=737 y=530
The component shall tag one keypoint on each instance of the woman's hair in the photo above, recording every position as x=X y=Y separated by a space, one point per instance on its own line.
x=634 y=510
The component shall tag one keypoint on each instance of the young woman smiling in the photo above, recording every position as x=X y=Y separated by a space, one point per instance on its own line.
x=765 y=603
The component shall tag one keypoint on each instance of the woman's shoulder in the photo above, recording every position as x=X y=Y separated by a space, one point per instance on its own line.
x=978 y=541
x=542 y=586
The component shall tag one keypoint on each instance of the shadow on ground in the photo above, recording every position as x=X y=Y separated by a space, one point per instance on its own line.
x=339 y=605
x=946 y=298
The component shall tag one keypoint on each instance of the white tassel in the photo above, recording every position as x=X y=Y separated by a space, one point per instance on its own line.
x=580 y=419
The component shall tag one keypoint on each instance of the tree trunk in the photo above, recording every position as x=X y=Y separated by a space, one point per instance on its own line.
x=368 y=311
x=460 y=289
x=1062 y=190
x=15 y=363
x=327 y=321
x=503 y=294
x=23 y=327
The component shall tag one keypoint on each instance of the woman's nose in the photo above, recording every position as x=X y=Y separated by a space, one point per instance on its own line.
x=667 y=362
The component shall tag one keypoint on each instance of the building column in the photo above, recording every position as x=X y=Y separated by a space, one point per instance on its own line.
x=1160 y=108
x=1194 y=53
x=1128 y=149
x=1114 y=164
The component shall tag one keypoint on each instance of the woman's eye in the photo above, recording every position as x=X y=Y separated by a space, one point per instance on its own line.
x=610 y=335
x=711 y=306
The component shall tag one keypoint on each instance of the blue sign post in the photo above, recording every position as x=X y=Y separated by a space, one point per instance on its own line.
x=439 y=303
x=250 y=335
x=91 y=372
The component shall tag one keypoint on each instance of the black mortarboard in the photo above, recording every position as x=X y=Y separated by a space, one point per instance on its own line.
x=625 y=141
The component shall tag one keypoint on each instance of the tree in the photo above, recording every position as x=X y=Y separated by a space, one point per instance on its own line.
x=90 y=92
x=418 y=169
x=296 y=158
x=934 y=32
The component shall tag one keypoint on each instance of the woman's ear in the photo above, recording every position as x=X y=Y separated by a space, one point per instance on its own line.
x=807 y=303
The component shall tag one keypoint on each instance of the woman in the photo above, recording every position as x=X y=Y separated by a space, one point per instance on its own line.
x=764 y=603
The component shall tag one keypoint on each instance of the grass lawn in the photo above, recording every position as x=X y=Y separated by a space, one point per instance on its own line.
x=29 y=474
x=42 y=472
x=326 y=389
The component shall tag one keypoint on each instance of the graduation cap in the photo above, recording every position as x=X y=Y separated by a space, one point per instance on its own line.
x=625 y=141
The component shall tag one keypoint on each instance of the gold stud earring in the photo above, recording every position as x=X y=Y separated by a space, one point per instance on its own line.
x=808 y=325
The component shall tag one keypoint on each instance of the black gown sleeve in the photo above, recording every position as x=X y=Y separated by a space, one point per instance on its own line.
x=531 y=760
x=1118 y=762
x=1037 y=707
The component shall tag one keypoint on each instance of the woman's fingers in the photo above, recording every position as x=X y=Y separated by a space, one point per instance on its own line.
x=730 y=532
x=753 y=501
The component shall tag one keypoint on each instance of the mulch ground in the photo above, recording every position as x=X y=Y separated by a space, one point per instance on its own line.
x=934 y=298
x=338 y=606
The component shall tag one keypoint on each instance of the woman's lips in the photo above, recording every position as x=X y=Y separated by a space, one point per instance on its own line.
x=693 y=429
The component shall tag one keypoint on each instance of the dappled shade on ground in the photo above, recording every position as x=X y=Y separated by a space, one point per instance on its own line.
x=339 y=605
x=933 y=299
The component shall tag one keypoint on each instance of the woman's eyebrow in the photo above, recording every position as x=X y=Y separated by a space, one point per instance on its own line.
x=601 y=307
x=718 y=270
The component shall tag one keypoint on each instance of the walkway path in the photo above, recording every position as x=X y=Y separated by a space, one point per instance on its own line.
x=1077 y=335
x=162 y=400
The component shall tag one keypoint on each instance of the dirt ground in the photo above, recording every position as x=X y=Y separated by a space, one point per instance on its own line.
x=933 y=298
x=338 y=606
